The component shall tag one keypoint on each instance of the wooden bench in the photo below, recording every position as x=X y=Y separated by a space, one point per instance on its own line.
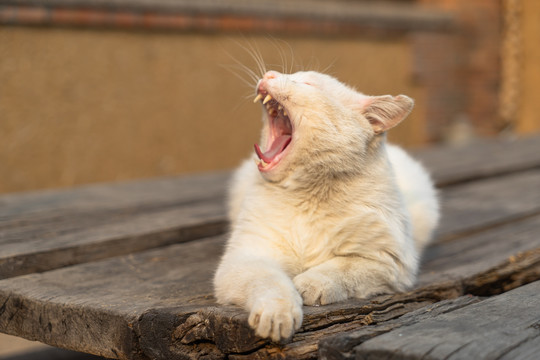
x=124 y=271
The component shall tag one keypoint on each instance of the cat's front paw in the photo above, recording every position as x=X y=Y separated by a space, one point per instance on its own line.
x=276 y=317
x=317 y=288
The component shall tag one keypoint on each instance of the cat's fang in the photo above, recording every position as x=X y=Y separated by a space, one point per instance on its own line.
x=263 y=163
x=257 y=98
x=267 y=99
x=279 y=107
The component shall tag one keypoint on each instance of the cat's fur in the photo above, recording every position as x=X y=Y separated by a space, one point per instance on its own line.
x=339 y=214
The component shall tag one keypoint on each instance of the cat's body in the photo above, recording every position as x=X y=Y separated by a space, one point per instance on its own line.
x=330 y=211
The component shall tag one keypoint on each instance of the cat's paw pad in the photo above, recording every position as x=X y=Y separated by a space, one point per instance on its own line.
x=318 y=289
x=276 y=318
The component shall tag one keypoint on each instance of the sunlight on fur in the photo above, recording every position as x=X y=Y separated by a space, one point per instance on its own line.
x=325 y=210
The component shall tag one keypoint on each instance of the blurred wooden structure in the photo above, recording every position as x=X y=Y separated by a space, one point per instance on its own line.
x=112 y=90
x=124 y=271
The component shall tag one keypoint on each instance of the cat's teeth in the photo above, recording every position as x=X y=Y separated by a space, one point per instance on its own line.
x=260 y=162
x=267 y=99
x=257 y=98
x=285 y=113
x=279 y=107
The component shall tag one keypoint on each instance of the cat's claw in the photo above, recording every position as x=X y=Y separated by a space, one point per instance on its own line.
x=276 y=318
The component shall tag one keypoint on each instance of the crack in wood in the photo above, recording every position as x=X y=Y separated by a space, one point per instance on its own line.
x=458 y=349
x=503 y=353
x=517 y=270
x=381 y=311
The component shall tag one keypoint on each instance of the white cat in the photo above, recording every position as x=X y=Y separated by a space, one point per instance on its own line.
x=329 y=211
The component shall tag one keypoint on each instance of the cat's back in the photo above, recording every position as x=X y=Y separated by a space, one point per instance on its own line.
x=418 y=191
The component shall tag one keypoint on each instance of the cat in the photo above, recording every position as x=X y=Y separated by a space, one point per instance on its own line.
x=329 y=210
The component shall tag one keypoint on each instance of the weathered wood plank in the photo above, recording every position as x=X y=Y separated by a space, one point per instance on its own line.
x=342 y=346
x=95 y=307
x=90 y=200
x=479 y=205
x=484 y=158
x=52 y=229
x=160 y=302
x=486 y=330
x=458 y=259
x=136 y=233
x=529 y=349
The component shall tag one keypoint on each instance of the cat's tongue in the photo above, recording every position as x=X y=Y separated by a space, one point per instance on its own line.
x=276 y=147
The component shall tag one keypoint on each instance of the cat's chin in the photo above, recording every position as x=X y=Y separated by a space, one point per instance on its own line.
x=271 y=173
x=274 y=173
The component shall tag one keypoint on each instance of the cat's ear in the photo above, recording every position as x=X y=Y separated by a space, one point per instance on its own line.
x=385 y=112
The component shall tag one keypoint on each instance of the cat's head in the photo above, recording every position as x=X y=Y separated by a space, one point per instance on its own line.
x=317 y=124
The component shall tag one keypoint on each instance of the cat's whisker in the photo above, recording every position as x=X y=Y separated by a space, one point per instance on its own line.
x=239 y=68
x=235 y=71
x=331 y=65
x=282 y=57
x=311 y=64
x=248 y=71
x=286 y=67
x=255 y=54
x=291 y=69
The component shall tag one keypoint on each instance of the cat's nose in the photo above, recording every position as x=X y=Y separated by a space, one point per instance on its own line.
x=271 y=75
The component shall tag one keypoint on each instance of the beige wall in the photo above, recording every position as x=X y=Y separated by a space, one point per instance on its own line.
x=529 y=114
x=83 y=106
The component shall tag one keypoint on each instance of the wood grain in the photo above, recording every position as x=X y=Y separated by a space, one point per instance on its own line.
x=492 y=202
x=343 y=346
x=474 y=254
x=487 y=330
x=160 y=301
x=95 y=307
x=131 y=284
x=452 y=165
x=48 y=230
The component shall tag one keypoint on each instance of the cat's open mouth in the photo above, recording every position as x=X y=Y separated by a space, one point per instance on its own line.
x=280 y=132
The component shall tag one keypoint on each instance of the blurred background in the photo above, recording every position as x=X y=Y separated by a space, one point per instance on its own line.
x=98 y=91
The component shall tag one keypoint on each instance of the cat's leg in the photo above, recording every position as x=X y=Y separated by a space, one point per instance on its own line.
x=343 y=277
x=259 y=285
